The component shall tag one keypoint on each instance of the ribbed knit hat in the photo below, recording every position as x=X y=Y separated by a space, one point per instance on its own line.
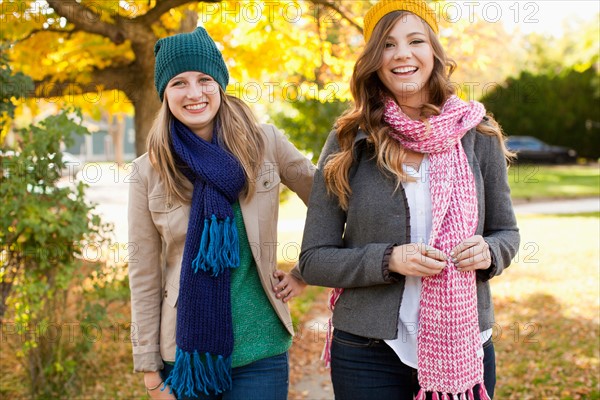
x=195 y=51
x=384 y=7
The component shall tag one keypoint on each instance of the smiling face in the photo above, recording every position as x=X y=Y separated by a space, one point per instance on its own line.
x=407 y=61
x=194 y=99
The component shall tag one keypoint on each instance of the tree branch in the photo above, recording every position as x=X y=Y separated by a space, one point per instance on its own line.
x=85 y=19
x=163 y=6
x=36 y=31
x=110 y=78
x=342 y=12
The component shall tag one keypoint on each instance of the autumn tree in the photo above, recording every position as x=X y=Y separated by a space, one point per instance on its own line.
x=89 y=48
x=99 y=54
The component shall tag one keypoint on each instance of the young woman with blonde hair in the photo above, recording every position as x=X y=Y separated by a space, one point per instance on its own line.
x=410 y=217
x=209 y=312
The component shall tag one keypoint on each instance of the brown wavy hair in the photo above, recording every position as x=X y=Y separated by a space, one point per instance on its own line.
x=367 y=111
x=239 y=133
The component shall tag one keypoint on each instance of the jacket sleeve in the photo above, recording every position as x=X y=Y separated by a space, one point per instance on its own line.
x=296 y=170
x=500 y=229
x=145 y=277
x=324 y=258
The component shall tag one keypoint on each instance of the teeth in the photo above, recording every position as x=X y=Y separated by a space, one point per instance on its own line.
x=196 y=106
x=403 y=70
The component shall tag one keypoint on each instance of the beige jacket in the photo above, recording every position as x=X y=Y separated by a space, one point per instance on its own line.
x=157 y=230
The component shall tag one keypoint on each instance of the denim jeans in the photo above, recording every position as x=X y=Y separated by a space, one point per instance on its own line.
x=266 y=379
x=364 y=368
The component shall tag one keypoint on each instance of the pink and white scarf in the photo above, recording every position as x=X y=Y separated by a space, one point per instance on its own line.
x=450 y=360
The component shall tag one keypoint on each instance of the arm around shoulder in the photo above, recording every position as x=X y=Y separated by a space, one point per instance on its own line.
x=295 y=169
x=325 y=259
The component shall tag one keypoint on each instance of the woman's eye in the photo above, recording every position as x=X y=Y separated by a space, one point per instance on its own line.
x=388 y=45
x=417 y=41
x=177 y=83
x=205 y=80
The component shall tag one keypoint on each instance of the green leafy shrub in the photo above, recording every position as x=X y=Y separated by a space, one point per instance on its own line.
x=46 y=230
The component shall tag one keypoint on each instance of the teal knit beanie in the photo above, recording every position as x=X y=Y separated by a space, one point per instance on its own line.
x=195 y=51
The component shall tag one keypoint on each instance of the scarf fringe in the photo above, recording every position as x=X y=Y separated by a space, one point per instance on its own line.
x=194 y=372
x=219 y=246
x=483 y=394
x=468 y=395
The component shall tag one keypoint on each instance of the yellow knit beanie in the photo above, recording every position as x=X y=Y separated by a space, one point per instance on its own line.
x=384 y=7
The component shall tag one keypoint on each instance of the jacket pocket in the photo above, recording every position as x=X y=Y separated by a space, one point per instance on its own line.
x=167 y=214
x=267 y=181
x=161 y=205
x=170 y=296
x=168 y=318
x=351 y=340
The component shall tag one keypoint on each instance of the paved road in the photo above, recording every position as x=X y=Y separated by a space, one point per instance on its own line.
x=559 y=207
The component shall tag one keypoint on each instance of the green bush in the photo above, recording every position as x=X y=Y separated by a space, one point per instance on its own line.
x=559 y=109
x=45 y=230
x=307 y=123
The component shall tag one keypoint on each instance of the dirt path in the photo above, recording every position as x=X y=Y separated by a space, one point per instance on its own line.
x=309 y=379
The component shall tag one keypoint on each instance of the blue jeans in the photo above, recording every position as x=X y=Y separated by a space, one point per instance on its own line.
x=266 y=379
x=364 y=368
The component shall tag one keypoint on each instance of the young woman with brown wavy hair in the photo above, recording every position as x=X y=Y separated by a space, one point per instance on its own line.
x=209 y=307
x=409 y=218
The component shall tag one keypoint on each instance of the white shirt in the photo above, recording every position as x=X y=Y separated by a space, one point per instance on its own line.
x=419 y=204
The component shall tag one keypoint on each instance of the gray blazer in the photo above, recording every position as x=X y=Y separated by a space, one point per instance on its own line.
x=350 y=249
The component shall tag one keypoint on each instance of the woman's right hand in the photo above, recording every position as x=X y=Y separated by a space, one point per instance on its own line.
x=417 y=259
x=152 y=380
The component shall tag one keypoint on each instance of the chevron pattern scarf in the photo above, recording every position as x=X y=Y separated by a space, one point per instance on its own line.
x=448 y=340
x=204 y=324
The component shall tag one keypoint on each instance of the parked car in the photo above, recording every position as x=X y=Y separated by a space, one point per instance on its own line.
x=531 y=149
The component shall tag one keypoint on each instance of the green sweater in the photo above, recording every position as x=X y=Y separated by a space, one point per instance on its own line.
x=257 y=330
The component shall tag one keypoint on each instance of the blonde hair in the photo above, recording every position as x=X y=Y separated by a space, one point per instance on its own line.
x=238 y=132
x=367 y=111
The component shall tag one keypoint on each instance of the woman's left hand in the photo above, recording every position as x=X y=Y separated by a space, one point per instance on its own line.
x=471 y=254
x=288 y=286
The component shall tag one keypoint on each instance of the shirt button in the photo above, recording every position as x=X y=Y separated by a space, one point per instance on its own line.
x=169 y=205
x=266 y=184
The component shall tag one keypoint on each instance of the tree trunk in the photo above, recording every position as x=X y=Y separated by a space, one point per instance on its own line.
x=116 y=129
x=146 y=105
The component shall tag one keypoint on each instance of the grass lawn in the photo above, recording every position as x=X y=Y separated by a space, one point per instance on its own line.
x=547 y=312
x=535 y=182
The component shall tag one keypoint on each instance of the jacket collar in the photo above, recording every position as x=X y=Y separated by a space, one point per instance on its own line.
x=360 y=135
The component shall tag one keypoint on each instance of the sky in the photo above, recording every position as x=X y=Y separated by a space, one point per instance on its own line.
x=541 y=16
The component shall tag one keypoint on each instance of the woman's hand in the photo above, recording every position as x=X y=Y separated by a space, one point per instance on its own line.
x=153 y=381
x=473 y=253
x=417 y=259
x=288 y=286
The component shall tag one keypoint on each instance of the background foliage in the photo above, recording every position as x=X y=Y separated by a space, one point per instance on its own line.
x=561 y=109
x=46 y=230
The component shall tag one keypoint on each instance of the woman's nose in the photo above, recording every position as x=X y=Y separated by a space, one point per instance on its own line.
x=194 y=91
x=402 y=52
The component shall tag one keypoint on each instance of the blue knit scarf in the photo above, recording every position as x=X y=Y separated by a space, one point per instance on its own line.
x=204 y=323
